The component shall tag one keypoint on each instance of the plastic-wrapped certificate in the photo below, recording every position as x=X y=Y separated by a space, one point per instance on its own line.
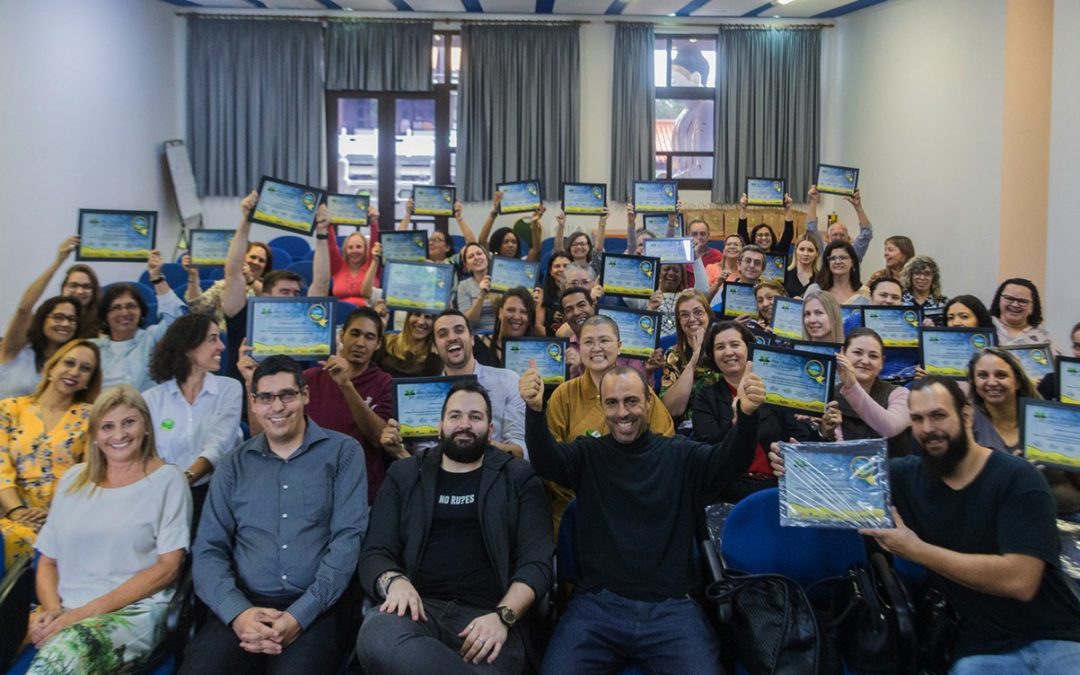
x=775 y=267
x=842 y=485
x=639 y=330
x=655 y=196
x=800 y=381
x=948 y=351
x=209 y=248
x=548 y=353
x=408 y=245
x=739 y=299
x=507 y=273
x=116 y=235
x=302 y=328
x=787 y=317
x=1068 y=379
x=1037 y=360
x=520 y=197
x=434 y=200
x=765 y=191
x=837 y=180
x=586 y=199
x=672 y=251
x=1050 y=433
x=415 y=286
x=419 y=401
x=631 y=276
x=287 y=206
x=897 y=325
x=348 y=209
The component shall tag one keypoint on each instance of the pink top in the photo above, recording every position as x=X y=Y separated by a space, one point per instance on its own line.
x=349 y=285
x=886 y=421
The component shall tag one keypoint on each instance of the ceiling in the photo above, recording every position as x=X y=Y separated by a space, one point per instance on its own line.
x=794 y=9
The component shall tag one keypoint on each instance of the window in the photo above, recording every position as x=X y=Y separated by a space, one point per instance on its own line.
x=685 y=80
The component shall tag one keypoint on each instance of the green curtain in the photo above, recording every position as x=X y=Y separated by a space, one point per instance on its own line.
x=633 y=117
x=378 y=56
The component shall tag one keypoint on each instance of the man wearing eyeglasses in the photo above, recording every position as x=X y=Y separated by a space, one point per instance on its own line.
x=279 y=538
x=751 y=267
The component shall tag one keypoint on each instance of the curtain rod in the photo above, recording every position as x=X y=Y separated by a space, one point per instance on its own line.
x=730 y=26
x=365 y=19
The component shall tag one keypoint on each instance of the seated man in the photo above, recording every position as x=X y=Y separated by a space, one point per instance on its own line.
x=459 y=548
x=279 y=535
x=640 y=496
x=751 y=267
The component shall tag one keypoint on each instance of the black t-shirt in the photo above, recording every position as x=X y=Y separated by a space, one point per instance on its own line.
x=1008 y=508
x=455 y=564
x=236 y=329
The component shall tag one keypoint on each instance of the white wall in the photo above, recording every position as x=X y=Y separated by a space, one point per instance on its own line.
x=1063 y=235
x=90 y=94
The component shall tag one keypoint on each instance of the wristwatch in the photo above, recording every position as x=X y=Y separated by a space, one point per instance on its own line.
x=384 y=587
x=507 y=615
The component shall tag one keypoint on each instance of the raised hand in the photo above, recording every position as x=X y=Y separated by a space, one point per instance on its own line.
x=531 y=387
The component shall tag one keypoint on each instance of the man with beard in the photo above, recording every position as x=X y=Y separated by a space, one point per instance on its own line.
x=640 y=497
x=459 y=547
x=983 y=523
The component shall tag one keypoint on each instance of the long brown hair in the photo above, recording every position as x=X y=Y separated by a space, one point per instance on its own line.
x=96 y=464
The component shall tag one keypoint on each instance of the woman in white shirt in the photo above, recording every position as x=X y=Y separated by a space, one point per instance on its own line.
x=112 y=548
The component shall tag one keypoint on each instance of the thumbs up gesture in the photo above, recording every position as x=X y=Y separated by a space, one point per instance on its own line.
x=531 y=387
x=751 y=392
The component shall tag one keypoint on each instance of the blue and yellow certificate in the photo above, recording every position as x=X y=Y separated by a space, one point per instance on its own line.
x=655 y=196
x=842 y=485
x=348 y=209
x=302 y=328
x=739 y=300
x=630 y=276
x=639 y=330
x=897 y=325
x=520 y=196
x=680 y=250
x=1050 y=433
x=1037 y=360
x=434 y=200
x=116 y=235
x=787 y=317
x=409 y=245
x=419 y=402
x=948 y=351
x=765 y=191
x=549 y=354
x=797 y=380
x=775 y=267
x=1068 y=379
x=287 y=206
x=209 y=248
x=659 y=225
x=585 y=199
x=837 y=180
x=507 y=273
x=417 y=286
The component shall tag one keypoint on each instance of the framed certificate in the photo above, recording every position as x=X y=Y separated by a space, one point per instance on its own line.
x=797 y=380
x=549 y=354
x=434 y=200
x=409 y=245
x=775 y=267
x=507 y=273
x=837 y=180
x=419 y=401
x=630 y=276
x=848 y=311
x=348 y=209
x=897 y=325
x=1068 y=379
x=739 y=300
x=657 y=224
x=520 y=197
x=655 y=196
x=287 y=206
x=209 y=248
x=127 y=236
x=787 y=317
x=672 y=251
x=765 y=191
x=584 y=199
x=639 y=330
x=948 y=351
x=417 y=286
x=826 y=348
x=302 y=328
x=1036 y=359
x=842 y=485
x=1050 y=433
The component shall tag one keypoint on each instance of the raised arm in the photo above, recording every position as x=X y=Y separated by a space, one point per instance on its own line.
x=559 y=242
x=15 y=338
x=368 y=284
x=631 y=229
x=320 y=266
x=466 y=231
x=234 y=297
x=789 y=227
x=601 y=233
x=743 y=229
x=485 y=230
x=558 y=462
x=409 y=206
x=866 y=231
x=811 y=217
x=537 y=232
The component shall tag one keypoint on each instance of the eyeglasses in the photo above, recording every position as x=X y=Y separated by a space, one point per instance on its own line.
x=839 y=258
x=79 y=287
x=127 y=307
x=696 y=314
x=287 y=396
x=1012 y=300
x=63 y=318
x=923 y=273
x=753 y=262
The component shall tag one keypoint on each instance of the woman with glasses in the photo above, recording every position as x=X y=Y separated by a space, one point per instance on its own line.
x=839 y=275
x=685 y=369
x=440 y=244
x=728 y=267
x=921 y=281
x=762 y=235
x=81 y=282
x=1017 y=313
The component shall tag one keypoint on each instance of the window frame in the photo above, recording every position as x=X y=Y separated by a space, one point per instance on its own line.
x=704 y=93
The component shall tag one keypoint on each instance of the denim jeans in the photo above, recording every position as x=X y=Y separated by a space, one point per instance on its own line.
x=1045 y=657
x=603 y=632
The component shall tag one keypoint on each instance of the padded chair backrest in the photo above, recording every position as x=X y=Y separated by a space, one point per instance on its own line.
x=296 y=247
x=303 y=268
x=754 y=542
x=211 y=274
x=283 y=258
x=341 y=312
x=615 y=244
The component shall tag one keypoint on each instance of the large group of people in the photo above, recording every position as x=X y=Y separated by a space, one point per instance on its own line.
x=129 y=442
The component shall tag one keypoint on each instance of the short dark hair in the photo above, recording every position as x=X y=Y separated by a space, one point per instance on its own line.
x=278 y=363
x=1036 y=317
x=885 y=278
x=450 y=311
x=170 y=359
x=469 y=386
x=271 y=279
x=975 y=305
x=626 y=370
x=862 y=331
x=955 y=392
x=572 y=291
x=710 y=338
x=364 y=313
x=526 y=298
x=751 y=248
x=119 y=290
x=35 y=334
x=757 y=228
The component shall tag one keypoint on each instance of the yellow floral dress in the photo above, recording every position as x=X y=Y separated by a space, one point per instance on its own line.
x=32 y=459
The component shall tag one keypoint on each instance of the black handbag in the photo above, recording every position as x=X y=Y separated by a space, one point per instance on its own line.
x=937 y=626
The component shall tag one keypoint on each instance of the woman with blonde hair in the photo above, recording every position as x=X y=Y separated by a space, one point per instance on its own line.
x=822 y=320
x=124 y=509
x=921 y=282
x=803 y=269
